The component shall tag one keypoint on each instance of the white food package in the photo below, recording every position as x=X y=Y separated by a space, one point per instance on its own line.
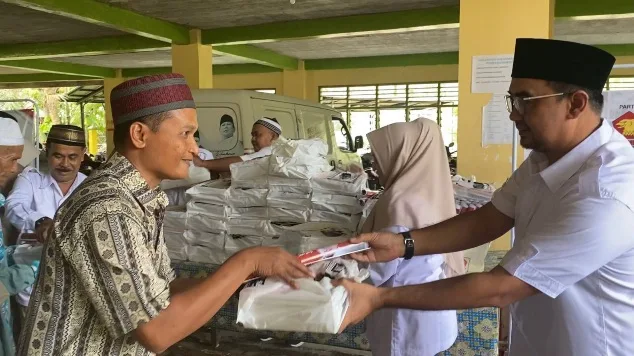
x=245 y=198
x=257 y=213
x=337 y=208
x=203 y=254
x=178 y=254
x=251 y=228
x=281 y=184
x=297 y=148
x=212 y=192
x=196 y=175
x=279 y=215
x=210 y=210
x=175 y=219
x=316 y=306
x=250 y=170
x=203 y=223
x=347 y=221
x=286 y=192
x=195 y=238
x=288 y=203
x=336 y=183
x=235 y=243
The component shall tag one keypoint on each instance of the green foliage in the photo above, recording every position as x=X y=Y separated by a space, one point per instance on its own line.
x=55 y=110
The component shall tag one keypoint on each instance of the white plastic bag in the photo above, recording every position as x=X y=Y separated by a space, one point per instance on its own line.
x=250 y=170
x=316 y=306
x=245 y=198
x=347 y=221
x=288 y=203
x=203 y=254
x=212 y=192
x=337 y=208
x=210 y=210
x=195 y=238
x=296 y=148
x=286 y=192
x=342 y=183
x=203 y=223
x=196 y=175
x=289 y=184
x=251 y=227
x=257 y=213
x=279 y=215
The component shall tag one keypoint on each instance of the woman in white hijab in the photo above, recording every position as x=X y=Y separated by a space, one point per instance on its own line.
x=15 y=278
x=412 y=165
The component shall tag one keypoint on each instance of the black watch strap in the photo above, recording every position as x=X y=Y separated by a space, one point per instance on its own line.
x=409 y=245
x=39 y=221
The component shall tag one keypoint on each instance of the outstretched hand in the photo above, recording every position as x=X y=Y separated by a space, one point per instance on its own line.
x=276 y=262
x=363 y=300
x=384 y=247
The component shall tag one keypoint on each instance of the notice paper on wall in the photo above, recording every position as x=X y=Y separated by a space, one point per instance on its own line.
x=491 y=74
x=497 y=128
x=618 y=109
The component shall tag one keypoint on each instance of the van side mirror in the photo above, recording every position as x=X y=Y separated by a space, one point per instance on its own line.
x=358 y=142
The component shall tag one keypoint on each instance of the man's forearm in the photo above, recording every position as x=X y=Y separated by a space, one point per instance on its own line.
x=195 y=305
x=180 y=285
x=462 y=232
x=221 y=164
x=464 y=292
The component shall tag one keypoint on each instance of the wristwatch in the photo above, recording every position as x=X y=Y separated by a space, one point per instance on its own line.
x=409 y=245
x=39 y=221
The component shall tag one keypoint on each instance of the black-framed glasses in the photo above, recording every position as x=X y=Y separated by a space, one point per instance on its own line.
x=519 y=103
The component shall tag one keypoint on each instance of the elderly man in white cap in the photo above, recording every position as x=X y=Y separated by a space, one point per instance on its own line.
x=265 y=131
x=16 y=278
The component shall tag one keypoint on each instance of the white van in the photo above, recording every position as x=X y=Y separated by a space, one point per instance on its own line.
x=225 y=119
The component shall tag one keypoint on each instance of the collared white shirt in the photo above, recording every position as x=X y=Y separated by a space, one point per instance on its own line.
x=34 y=196
x=574 y=228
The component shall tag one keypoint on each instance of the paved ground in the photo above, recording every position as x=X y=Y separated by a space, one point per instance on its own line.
x=248 y=345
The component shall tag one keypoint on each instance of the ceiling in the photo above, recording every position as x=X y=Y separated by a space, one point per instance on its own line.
x=41 y=31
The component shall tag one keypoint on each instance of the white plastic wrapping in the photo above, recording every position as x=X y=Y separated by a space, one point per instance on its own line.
x=348 y=221
x=251 y=227
x=288 y=215
x=203 y=223
x=195 y=238
x=178 y=254
x=286 y=192
x=175 y=220
x=209 y=210
x=196 y=175
x=288 y=203
x=316 y=306
x=202 y=254
x=243 y=198
x=337 y=208
x=250 y=170
x=235 y=243
x=212 y=192
x=297 y=148
x=257 y=213
x=337 y=183
x=289 y=185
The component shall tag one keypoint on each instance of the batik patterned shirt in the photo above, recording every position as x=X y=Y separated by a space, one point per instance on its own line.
x=104 y=271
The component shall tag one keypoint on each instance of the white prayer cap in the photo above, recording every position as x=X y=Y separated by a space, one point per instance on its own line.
x=10 y=133
x=270 y=124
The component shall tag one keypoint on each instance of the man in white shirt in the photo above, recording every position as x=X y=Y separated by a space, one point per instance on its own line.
x=35 y=197
x=569 y=278
x=264 y=132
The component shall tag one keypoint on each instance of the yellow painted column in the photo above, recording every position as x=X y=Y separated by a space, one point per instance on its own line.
x=490 y=27
x=194 y=62
x=294 y=82
x=108 y=85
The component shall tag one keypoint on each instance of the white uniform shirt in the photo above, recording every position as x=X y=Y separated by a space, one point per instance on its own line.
x=266 y=151
x=34 y=196
x=574 y=228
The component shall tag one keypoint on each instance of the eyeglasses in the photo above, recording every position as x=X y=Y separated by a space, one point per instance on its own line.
x=519 y=103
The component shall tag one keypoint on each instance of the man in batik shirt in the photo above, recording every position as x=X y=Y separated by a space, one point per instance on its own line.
x=105 y=285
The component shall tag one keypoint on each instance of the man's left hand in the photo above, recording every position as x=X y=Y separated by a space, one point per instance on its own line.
x=43 y=230
x=363 y=300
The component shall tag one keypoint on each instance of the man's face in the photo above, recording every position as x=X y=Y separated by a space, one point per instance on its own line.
x=261 y=137
x=9 y=156
x=227 y=130
x=64 y=161
x=170 y=150
x=543 y=121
